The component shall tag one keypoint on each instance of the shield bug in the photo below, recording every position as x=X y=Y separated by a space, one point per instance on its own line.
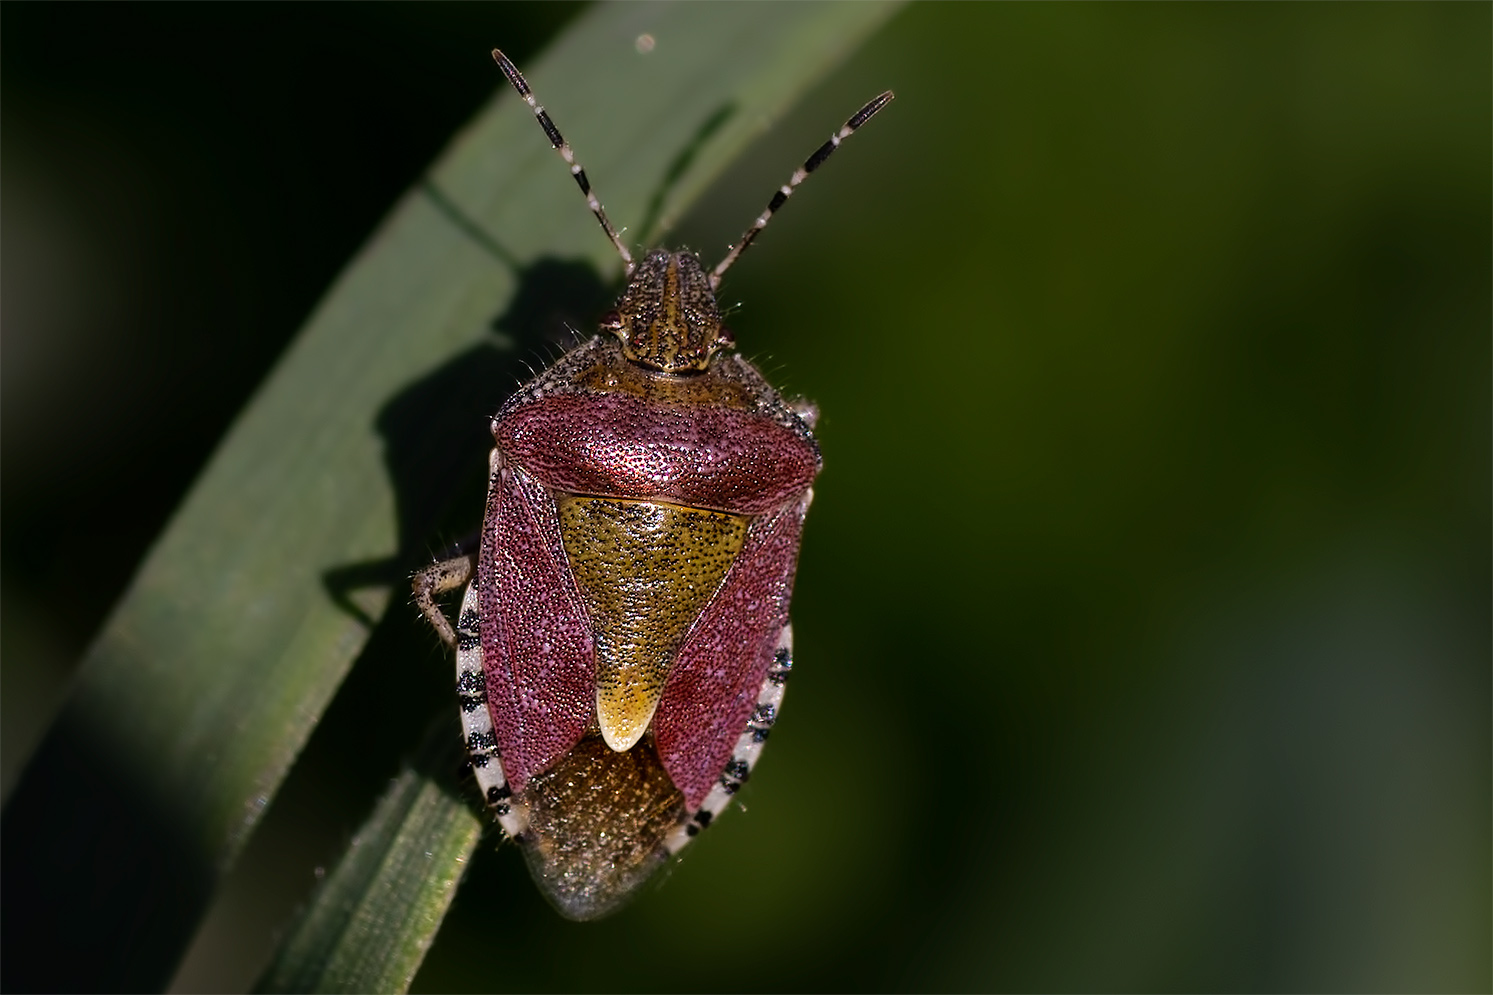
x=623 y=640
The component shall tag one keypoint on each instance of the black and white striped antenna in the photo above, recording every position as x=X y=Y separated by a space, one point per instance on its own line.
x=812 y=163
x=785 y=191
x=558 y=141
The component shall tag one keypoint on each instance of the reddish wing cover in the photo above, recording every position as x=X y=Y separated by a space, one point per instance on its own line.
x=622 y=446
x=536 y=641
x=713 y=686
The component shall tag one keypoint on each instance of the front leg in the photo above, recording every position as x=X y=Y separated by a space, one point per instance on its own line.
x=437 y=579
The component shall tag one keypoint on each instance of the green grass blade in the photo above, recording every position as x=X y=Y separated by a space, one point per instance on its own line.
x=383 y=896
x=372 y=921
x=245 y=617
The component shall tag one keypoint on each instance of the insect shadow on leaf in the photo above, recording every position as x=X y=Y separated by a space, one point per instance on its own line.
x=435 y=431
x=436 y=438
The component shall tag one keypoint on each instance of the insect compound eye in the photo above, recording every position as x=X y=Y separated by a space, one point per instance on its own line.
x=611 y=322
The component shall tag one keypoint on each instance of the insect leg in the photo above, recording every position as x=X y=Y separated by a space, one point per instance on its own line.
x=807 y=411
x=437 y=579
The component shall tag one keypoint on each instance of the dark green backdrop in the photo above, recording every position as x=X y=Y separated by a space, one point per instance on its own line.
x=1143 y=615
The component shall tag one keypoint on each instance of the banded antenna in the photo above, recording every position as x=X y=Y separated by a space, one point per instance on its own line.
x=812 y=163
x=558 y=142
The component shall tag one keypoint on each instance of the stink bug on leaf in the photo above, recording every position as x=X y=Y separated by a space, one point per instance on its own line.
x=623 y=640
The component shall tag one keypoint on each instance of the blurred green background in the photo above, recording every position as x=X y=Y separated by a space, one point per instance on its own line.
x=1143 y=617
